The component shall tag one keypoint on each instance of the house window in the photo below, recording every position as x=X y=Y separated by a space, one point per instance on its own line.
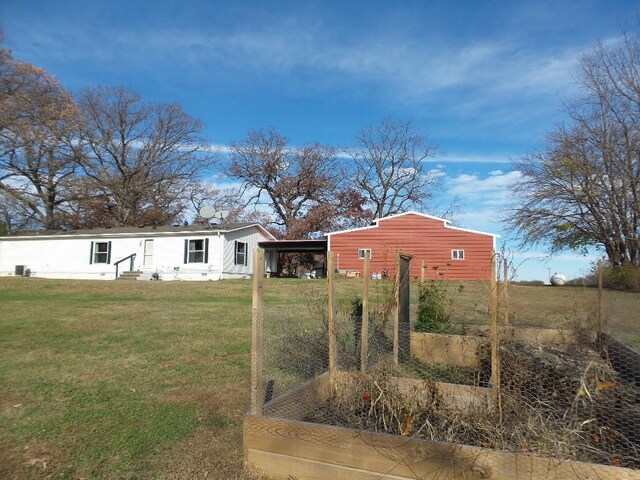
x=363 y=251
x=240 y=257
x=100 y=252
x=196 y=251
x=457 y=254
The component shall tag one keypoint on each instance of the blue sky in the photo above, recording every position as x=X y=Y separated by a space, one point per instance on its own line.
x=484 y=79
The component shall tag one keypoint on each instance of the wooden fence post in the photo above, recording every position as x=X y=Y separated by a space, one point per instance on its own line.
x=495 y=339
x=396 y=311
x=402 y=323
x=331 y=310
x=364 y=337
x=601 y=319
x=257 y=334
x=505 y=286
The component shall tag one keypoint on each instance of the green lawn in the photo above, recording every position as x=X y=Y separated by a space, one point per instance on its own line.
x=122 y=379
x=151 y=379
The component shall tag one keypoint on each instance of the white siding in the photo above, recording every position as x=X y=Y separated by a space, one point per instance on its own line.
x=69 y=256
x=168 y=259
x=65 y=257
x=251 y=236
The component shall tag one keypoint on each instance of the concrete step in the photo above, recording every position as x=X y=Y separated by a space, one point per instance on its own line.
x=133 y=275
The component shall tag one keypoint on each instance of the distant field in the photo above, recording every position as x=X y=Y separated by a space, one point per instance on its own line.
x=151 y=379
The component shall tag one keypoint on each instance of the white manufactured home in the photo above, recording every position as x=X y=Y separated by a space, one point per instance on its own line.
x=194 y=252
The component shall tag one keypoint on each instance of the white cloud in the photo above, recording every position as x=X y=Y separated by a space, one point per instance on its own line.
x=472 y=186
x=407 y=67
x=435 y=173
x=416 y=69
x=443 y=159
x=482 y=200
x=219 y=148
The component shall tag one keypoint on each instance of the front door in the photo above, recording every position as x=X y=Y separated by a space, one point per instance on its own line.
x=148 y=253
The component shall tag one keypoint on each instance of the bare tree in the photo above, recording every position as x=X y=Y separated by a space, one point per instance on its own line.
x=14 y=215
x=221 y=199
x=141 y=158
x=584 y=188
x=38 y=122
x=305 y=186
x=389 y=167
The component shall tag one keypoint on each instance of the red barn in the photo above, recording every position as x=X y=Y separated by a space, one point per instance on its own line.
x=448 y=252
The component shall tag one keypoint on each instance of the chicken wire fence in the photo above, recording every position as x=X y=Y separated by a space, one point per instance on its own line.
x=484 y=364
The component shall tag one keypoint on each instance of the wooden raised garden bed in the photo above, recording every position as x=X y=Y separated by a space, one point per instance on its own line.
x=282 y=446
x=287 y=437
x=461 y=350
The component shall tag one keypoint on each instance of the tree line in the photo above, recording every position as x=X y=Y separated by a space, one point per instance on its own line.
x=105 y=157
x=101 y=158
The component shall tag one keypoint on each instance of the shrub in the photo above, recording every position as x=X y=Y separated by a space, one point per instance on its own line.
x=434 y=309
x=623 y=277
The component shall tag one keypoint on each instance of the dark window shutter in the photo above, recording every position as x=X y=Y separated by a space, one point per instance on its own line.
x=235 y=252
x=206 y=250
x=109 y=252
x=186 y=250
x=246 y=254
x=91 y=254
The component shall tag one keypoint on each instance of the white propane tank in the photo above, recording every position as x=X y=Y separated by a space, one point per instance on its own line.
x=558 y=279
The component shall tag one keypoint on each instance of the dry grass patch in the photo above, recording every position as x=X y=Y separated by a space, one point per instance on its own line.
x=557 y=401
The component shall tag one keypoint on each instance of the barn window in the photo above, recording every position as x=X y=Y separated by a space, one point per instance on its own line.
x=240 y=257
x=457 y=254
x=196 y=251
x=100 y=252
x=363 y=251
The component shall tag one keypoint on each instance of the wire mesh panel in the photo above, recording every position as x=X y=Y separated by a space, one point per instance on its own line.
x=621 y=310
x=513 y=378
x=296 y=339
x=616 y=396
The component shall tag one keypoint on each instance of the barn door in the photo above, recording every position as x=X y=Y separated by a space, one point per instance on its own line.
x=148 y=253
